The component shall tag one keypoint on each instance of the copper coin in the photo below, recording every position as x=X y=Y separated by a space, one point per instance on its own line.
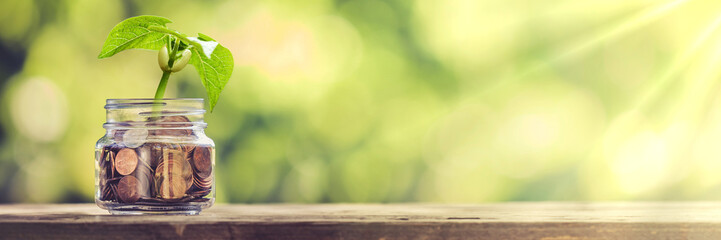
x=107 y=193
x=107 y=188
x=157 y=150
x=202 y=183
x=172 y=186
x=114 y=189
x=177 y=163
x=102 y=161
x=103 y=173
x=201 y=193
x=172 y=122
x=170 y=189
x=126 y=161
x=173 y=175
x=108 y=157
x=111 y=157
x=128 y=189
x=202 y=161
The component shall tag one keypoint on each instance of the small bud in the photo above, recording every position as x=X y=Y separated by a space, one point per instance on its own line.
x=163 y=58
x=180 y=63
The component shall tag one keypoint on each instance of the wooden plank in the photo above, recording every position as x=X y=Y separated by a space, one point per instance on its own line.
x=548 y=221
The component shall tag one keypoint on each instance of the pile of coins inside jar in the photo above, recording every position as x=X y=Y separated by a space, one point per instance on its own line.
x=138 y=171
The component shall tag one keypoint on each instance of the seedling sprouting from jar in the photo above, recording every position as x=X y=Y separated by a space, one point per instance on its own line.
x=213 y=62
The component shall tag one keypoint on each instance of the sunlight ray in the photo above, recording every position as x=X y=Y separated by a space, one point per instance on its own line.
x=667 y=76
x=682 y=123
x=608 y=34
x=592 y=41
x=697 y=96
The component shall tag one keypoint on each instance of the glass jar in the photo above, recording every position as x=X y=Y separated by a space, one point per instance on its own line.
x=154 y=158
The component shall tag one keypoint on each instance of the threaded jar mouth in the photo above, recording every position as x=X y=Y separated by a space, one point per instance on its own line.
x=121 y=103
x=149 y=113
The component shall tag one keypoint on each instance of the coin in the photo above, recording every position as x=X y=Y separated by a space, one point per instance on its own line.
x=202 y=161
x=104 y=161
x=111 y=160
x=173 y=175
x=107 y=192
x=128 y=189
x=200 y=193
x=171 y=122
x=156 y=153
x=135 y=137
x=113 y=180
x=126 y=161
x=202 y=183
x=107 y=185
x=103 y=172
x=108 y=156
x=145 y=156
x=114 y=190
x=169 y=189
x=157 y=149
x=145 y=180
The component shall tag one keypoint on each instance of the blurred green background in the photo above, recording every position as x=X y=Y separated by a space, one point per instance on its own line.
x=388 y=101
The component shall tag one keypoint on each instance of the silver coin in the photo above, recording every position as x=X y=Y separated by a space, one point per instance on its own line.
x=135 y=137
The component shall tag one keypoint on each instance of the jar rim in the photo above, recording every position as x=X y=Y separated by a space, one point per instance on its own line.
x=173 y=113
x=122 y=103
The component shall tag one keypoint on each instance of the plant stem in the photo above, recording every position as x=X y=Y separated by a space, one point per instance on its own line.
x=161 y=86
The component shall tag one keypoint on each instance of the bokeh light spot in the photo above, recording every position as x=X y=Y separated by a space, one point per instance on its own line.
x=39 y=109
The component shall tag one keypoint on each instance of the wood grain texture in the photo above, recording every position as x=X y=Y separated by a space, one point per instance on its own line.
x=546 y=221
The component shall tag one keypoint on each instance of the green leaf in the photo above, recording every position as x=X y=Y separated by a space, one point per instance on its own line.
x=214 y=64
x=134 y=33
x=206 y=45
x=205 y=37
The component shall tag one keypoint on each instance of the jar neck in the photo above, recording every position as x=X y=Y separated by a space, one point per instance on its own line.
x=164 y=114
